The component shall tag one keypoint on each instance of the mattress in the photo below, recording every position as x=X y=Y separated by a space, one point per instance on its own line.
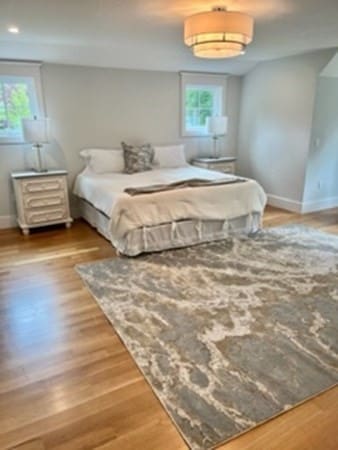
x=181 y=217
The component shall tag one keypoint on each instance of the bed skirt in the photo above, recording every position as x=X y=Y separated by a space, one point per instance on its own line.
x=171 y=235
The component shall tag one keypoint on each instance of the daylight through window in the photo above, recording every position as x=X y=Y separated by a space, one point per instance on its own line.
x=202 y=96
x=19 y=99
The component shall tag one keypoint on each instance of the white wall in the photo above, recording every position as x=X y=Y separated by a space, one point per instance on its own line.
x=275 y=125
x=321 y=182
x=100 y=107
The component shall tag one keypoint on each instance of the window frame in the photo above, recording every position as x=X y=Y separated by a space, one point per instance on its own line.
x=203 y=81
x=28 y=72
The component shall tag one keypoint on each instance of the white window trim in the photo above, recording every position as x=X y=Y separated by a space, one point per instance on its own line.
x=28 y=70
x=199 y=79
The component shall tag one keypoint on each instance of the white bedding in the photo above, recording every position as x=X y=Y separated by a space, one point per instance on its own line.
x=103 y=190
x=127 y=213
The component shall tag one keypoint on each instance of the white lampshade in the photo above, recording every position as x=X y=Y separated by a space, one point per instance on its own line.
x=217 y=126
x=36 y=131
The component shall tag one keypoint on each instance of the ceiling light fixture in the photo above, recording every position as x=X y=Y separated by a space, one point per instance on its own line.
x=218 y=33
x=13 y=29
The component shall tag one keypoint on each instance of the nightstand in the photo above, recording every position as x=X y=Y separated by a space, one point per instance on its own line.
x=224 y=164
x=41 y=199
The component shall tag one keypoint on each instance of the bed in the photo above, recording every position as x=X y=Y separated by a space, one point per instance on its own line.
x=170 y=218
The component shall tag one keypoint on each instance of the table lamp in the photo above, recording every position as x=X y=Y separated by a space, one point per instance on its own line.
x=217 y=126
x=36 y=132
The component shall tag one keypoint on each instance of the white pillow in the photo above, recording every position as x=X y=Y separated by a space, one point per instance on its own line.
x=104 y=161
x=170 y=156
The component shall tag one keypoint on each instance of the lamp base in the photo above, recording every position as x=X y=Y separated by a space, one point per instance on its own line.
x=215 y=150
x=39 y=167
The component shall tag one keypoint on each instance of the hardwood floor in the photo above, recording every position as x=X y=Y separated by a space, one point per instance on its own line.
x=66 y=380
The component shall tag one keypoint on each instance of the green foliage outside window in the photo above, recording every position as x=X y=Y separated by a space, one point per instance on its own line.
x=206 y=99
x=199 y=105
x=14 y=106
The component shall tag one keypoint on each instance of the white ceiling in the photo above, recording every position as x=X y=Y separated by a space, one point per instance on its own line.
x=147 y=34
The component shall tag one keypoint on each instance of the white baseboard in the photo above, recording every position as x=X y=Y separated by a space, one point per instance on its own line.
x=302 y=207
x=7 y=222
x=326 y=203
x=284 y=203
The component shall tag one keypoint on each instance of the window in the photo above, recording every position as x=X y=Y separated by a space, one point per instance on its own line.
x=202 y=96
x=20 y=97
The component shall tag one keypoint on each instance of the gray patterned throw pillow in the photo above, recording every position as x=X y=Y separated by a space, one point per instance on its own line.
x=137 y=158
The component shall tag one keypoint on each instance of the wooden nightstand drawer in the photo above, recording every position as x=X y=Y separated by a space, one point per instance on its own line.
x=42 y=185
x=40 y=201
x=45 y=216
x=224 y=167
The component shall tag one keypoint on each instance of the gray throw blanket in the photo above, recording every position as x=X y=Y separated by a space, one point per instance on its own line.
x=193 y=182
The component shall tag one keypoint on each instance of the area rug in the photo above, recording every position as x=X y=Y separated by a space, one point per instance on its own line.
x=228 y=334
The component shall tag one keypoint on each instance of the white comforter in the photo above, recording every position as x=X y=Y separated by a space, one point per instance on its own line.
x=127 y=213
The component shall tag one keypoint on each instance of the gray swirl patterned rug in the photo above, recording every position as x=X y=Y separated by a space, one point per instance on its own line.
x=231 y=333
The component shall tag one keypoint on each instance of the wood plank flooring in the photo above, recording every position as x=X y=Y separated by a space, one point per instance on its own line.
x=66 y=380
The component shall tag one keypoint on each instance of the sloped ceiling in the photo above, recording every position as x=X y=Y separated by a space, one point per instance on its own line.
x=147 y=34
x=331 y=70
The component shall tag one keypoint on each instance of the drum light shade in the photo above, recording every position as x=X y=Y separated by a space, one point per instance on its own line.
x=218 y=33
